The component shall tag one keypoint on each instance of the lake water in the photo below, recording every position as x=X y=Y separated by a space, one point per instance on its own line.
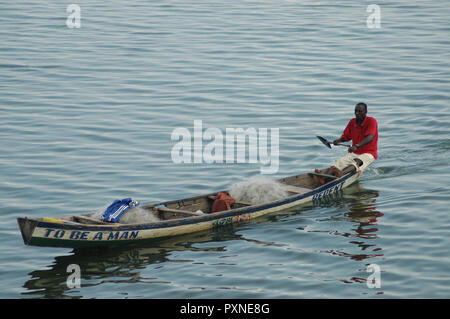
x=86 y=117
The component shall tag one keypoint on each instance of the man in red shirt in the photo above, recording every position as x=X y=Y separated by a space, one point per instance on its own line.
x=363 y=132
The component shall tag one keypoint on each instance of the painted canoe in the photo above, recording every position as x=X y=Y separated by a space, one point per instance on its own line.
x=175 y=217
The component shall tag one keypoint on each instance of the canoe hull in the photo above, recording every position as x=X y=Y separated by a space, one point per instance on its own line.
x=54 y=232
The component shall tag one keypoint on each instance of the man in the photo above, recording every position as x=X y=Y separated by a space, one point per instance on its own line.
x=363 y=132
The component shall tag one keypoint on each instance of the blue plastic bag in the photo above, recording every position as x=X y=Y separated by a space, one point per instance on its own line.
x=117 y=208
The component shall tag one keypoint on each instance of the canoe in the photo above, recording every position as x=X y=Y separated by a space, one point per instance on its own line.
x=174 y=217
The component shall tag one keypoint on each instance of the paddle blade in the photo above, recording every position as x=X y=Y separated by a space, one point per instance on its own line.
x=324 y=141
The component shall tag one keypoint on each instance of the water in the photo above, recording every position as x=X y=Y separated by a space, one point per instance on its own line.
x=86 y=116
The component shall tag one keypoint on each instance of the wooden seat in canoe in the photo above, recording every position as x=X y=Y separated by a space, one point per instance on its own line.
x=322 y=175
x=181 y=211
x=89 y=220
x=296 y=189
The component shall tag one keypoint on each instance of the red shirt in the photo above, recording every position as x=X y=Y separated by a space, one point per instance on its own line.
x=357 y=133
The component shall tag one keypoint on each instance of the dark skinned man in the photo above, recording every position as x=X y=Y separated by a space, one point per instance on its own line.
x=362 y=130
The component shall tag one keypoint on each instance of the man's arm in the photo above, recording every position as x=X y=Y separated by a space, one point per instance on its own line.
x=339 y=141
x=365 y=141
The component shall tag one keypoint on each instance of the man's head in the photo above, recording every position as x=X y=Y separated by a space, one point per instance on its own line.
x=360 y=111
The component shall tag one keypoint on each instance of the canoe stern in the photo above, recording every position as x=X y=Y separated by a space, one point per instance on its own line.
x=27 y=227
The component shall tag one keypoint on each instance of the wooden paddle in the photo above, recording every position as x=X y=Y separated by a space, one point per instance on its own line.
x=328 y=143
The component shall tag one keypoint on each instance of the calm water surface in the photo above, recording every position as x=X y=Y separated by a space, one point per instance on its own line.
x=86 y=116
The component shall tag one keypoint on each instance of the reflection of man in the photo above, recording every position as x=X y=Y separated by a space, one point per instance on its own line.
x=362 y=130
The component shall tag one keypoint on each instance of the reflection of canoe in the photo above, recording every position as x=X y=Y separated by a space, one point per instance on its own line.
x=175 y=217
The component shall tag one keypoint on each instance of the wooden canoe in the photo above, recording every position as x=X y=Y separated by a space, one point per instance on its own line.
x=176 y=217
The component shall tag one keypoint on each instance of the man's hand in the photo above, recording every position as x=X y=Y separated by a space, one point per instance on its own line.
x=338 y=141
x=352 y=149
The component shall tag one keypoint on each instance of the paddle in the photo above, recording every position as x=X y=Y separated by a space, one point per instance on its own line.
x=328 y=143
